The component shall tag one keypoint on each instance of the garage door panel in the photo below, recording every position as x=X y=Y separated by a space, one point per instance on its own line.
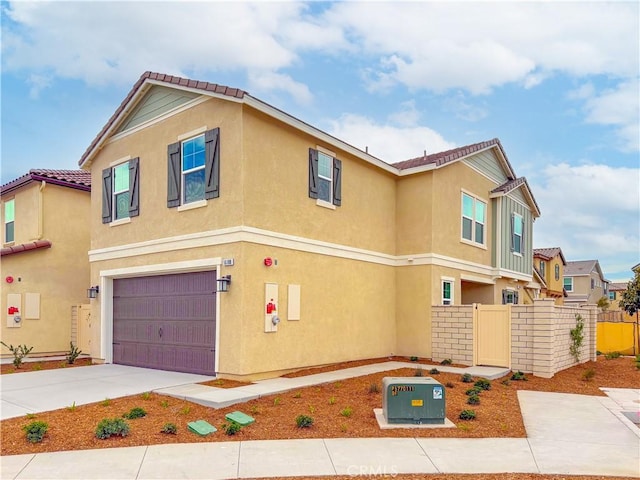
x=166 y=322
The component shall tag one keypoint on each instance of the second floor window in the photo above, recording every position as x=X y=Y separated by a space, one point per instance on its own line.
x=9 y=221
x=612 y=295
x=517 y=233
x=473 y=219
x=194 y=169
x=557 y=272
x=121 y=191
x=568 y=284
x=542 y=269
x=325 y=177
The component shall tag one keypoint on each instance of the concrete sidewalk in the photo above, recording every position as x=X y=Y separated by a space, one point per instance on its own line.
x=567 y=434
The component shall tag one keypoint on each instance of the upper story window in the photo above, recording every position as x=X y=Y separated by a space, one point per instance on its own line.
x=325 y=177
x=194 y=169
x=474 y=213
x=517 y=233
x=9 y=221
x=447 y=292
x=509 y=296
x=542 y=268
x=557 y=272
x=568 y=284
x=593 y=284
x=612 y=295
x=121 y=191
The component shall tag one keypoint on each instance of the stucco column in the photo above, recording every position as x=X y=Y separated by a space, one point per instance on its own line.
x=543 y=337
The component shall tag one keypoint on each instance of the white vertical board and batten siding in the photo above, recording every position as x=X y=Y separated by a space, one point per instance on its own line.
x=157 y=100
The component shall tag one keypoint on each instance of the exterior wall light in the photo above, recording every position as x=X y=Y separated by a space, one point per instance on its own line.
x=223 y=283
x=93 y=292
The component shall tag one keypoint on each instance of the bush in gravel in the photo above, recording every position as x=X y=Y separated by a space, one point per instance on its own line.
x=518 y=376
x=473 y=391
x=483 y=383
x=109 y=427
x=612 y=355
x=35 y=431
x=419 y=372
x=231 y=428
x=135 y=412
x=346 y=412
x=446 y=361
x=304 y=421
x=473 y=400
x=169 y=428
x=374 y=388
x=588 y=374
x=434 y=371
x=450 y=385
x=466 y=378
x=467 y=415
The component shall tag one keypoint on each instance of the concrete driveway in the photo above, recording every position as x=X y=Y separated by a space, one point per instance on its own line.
x=46 y=390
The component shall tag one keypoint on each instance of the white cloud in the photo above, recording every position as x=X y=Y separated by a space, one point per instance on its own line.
x=271 y=81
x=462 y=107
x=590 y=211
x=38 y=83
x=388 y=142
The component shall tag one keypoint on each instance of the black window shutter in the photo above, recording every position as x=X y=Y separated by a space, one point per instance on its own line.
x=513 y=243
x=212 y=163
x=134 y=187
x=515 y=298
x=504 y=297
x=337 y=182
x=106 y=195
x=313 y=173
x=173 y=175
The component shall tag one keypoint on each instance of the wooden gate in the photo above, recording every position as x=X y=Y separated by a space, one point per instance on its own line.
x=492 y=335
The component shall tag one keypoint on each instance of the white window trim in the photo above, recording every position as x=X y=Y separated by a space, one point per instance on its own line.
x=5 y=223
x=329 y=179
x=121 y=221
x=192 y=133
x=452 y=282
x=114 y=193
x=183 y=172
x=192 y=205
x=475 y=198
x=325 y=204
x=567 y=289
x=516 y=216
x=512 y=291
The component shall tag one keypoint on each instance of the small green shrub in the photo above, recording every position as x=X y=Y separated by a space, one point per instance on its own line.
x=231 y=428
x=31 y=416
x=255 y=410
x=169 y=428
x=419 y=372
x=612 y=355
x=518 y=376
x=434 y=371
x=588 y=374
x=414 y=359
x=146 y=396
x=72 y=407
x=73 y=353
x=506 y=382
x=106 y=402
x=112 y=427
x=473 y=391
x=466 y=378
x=338 y=384
x=298 y=395
x=473 y=400
x=332 y=400
x=483 y=383
x=19 y=353
x=467 y=415
x=36 y=431
x=304 y=421
x=450 y=385
x=637 y=362
x=598 y=352
x=164 y=403
x=374 y=388
x=446 y=361
x=312 y=409
x=37 y=366
x=577 y=338
x=276 y=401
x=346 y=412
x=135 y=412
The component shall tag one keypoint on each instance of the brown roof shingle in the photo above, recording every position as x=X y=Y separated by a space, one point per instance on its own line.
x=78 y=179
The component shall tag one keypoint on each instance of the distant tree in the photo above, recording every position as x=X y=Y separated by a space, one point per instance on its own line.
x=630 y=301
x=603 y=303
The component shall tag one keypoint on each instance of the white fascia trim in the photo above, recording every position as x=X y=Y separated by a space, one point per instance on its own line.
x=503 y=272
x=160 y=268
x=420 y=169
x=474 y=279
x=325 y=137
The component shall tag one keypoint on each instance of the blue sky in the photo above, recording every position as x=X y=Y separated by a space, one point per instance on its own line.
x=556 y=82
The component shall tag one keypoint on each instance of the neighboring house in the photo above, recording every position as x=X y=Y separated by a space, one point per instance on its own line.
x=616 y=290
x=231 y=238
x=45 y=270
x=549 y=264
x=584 y=282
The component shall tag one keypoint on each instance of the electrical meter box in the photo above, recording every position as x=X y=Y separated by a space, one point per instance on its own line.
x=413 y=400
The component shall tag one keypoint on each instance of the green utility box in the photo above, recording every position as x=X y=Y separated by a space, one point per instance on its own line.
x=413 y=400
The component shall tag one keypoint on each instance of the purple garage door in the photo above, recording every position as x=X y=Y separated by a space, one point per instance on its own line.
x=166 y=322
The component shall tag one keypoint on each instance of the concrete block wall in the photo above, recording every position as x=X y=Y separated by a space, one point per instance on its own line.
x=452 y=333
x=540 y=335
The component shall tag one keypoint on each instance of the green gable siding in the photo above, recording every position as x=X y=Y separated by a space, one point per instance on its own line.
x=517 y=194
x=488 y=164
x=157 y=101
x=510 y=261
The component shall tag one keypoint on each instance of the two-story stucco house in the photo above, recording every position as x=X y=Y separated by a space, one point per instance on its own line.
x=549 y=264
x=584 y=282
x=45 y=240
x=231 y=238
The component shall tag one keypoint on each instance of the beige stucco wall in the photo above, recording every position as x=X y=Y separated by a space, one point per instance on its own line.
x=413 y=307
x=60 y=274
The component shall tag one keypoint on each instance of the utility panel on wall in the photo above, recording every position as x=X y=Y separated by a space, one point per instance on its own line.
x=293 y=302
x=271 y=313
x=14 y=310
x=32 y=306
